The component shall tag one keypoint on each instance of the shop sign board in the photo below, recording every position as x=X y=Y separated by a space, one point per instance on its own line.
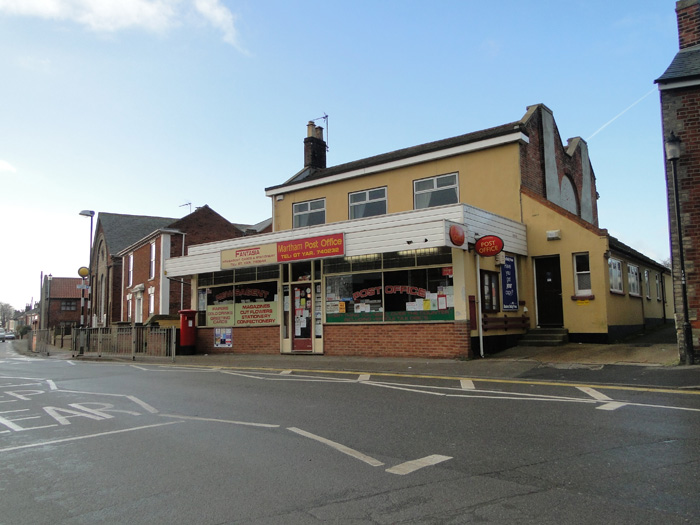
x=509 y=285
x=488 y=245
x=258 y=314
x=220 y=315
x=456 y=235
x=286 y=251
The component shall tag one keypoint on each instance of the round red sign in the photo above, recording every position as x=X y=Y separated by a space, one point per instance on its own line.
x=488 y=245
x=457 y=235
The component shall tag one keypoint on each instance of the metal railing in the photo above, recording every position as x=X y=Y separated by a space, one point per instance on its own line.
x=126 y=341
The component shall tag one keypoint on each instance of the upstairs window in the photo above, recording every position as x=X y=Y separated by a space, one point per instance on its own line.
x=309 y=213
x=633 y=279
x=130 y=276
x=367 y=203
x=435 y=191
x=582 y=269
x=152 y=267
x=615 y=269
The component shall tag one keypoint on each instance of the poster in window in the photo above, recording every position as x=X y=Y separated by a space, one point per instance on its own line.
x=509 y=285
x=223 y=337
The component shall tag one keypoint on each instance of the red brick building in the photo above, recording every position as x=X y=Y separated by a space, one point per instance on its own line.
x=113 y=233
x=146 y=291
x=679 y=89
x=60 y=302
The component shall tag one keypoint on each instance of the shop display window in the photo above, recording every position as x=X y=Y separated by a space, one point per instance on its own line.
x=252 y=304
x=424 y=294
x=354 y=298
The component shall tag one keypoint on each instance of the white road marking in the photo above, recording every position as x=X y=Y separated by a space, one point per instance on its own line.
x=70 y=363
x=412 y=466
x=135 y=399
x=594 y=393
x=89 y=436
x=215 y=420
x=337 y=446
x=52 y=385
x=363 y=377
x=285 y=372
x=612 y=406
x=467 y=384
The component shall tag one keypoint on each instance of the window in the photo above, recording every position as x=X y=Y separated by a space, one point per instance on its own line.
x=368 y=203
x=128 y=310
x=130 y=277
x=633 y=279
x=151 y=302
x=152 y=267
x=647 y=283
x=489 y=292
x=435 y=191
x=582 y=269
x=615 y=270
x=658 y=287
x=69 y=306
x=309 y=213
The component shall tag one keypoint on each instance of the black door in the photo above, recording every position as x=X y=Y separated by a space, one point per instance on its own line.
x=549 y=306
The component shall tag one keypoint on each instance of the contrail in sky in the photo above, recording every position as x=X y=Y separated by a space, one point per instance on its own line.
x=619 y=115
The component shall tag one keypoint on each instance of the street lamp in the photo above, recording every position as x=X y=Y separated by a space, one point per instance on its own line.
x=91 y=214
x=673 y=153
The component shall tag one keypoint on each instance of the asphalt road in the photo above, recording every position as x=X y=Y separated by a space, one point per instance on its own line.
x=84 y=442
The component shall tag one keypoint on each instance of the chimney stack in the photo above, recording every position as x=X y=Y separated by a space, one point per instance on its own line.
x=688 y=15
x=315 y=147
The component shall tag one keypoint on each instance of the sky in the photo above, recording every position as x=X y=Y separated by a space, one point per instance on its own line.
x=156 y=107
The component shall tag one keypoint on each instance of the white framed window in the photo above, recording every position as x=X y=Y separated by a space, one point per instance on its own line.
x=130 y=275
x=633 y=279
x=615 y=270
x=582 y=272
x=367 y=203
x=309 y=213
x=128 y=310
x=647 y=283
x=151 y=303
x=435 y=191
x=659 y=296
x=152 y=266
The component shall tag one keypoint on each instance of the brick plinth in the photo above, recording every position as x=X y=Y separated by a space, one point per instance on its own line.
x=246 y=340
x=443 y=340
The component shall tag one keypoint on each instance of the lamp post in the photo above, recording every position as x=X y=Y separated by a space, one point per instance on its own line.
x=673 y=153
x=91 y=214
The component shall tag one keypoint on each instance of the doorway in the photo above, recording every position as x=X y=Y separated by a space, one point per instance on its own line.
x=550 y=312
x=302 y=321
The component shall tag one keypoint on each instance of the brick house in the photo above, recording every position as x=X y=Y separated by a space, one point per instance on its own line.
x=445 y=249
x=679 y=89
x=146 y=291
x=113 y=233
x=61 y=301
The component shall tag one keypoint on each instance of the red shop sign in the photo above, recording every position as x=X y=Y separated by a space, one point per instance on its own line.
x=488 y=246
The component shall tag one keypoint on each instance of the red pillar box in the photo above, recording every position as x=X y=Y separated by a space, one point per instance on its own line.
x=188 y=331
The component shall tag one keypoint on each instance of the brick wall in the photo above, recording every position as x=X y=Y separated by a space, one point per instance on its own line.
x=680 y=110
x=688 y=15
x=532 y=163
x=56 y=315
x=439 y=340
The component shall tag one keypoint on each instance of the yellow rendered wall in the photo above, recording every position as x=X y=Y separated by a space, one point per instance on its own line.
x=488 y=179
x=581 y=315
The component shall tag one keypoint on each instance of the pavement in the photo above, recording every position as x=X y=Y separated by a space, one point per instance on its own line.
x=648 y=359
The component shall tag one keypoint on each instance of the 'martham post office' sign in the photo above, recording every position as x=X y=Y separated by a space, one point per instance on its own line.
x=285 y=251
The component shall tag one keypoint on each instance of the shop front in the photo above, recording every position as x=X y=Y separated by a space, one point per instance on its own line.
x=374 y=289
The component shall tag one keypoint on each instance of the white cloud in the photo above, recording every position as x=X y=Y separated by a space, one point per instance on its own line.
x=115 y=15
x=6 y=166
x=220 y=17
